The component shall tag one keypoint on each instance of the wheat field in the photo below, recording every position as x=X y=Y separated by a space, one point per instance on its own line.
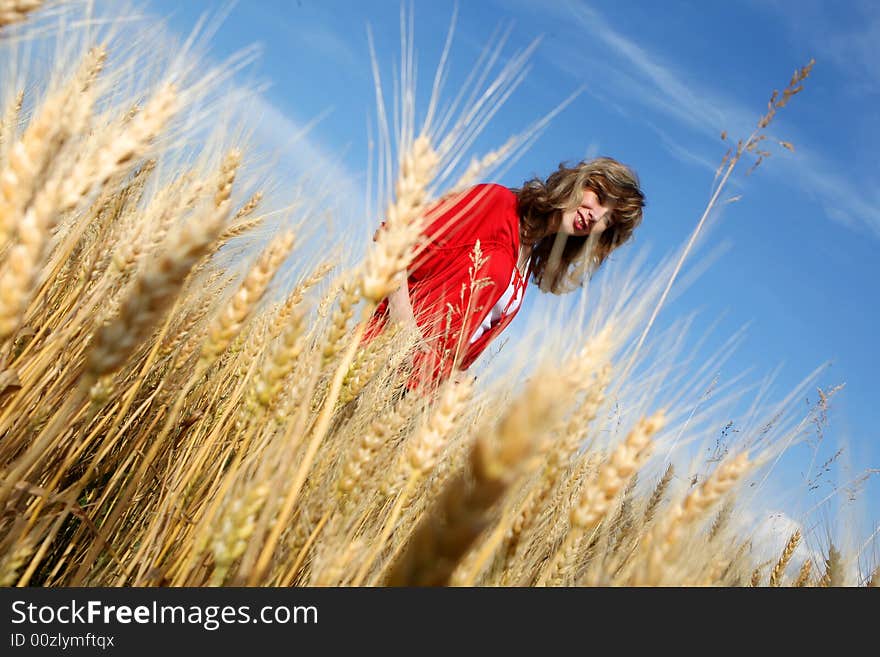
x=186 y=400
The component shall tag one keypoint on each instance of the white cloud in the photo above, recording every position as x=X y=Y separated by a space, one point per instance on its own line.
x=642 y=77
x=660 y=86
x=302 y=154
x=857 y=52
x=683 y=153
x=329 y=45
x=847 y=39
x=843 y=198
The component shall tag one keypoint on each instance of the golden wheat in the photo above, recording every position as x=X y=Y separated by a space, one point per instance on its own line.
x=160 y=429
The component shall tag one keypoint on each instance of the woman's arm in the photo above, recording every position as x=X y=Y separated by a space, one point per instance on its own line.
x=399 y=304
x=400 y=307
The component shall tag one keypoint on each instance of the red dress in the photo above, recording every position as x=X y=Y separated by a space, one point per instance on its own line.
x=447 y=307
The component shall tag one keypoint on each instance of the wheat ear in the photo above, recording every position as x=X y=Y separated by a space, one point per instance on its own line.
x=235 y=528
x=9 y=122
x=244 y=212
x=787 y=553
x=597 y=495
x=386 y=263
x=29 y=158
x=15 y=558
x=270 y=379
x=130 y=143
x=366 y=364
x=14 y=11
x=589 y=375
x=462 y=511
x=152 y=290
x=383 y=268
x=665 y=540
x=420 y=457
x=755 y=579
x=296 y=297
x=229 y=323
x=658 y=493
x=834 y=569
x=478 y=166
x=29 y=201
x=350 y=294
x=803 y=578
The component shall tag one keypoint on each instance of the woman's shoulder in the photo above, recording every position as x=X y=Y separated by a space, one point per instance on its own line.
x=482 y=196
x=504 y=225
x=487 y=211
x=496 y=198
x=494 y=190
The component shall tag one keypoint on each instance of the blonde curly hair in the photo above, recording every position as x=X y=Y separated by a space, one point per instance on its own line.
x=561 y=262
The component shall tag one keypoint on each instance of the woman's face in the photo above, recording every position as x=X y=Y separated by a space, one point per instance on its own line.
x=590 y=217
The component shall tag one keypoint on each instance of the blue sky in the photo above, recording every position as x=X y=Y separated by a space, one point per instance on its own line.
x=661 y=81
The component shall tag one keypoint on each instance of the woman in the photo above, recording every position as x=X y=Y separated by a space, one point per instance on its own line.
x=554 y=232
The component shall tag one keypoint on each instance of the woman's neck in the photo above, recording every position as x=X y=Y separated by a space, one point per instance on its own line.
x=525 y=252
